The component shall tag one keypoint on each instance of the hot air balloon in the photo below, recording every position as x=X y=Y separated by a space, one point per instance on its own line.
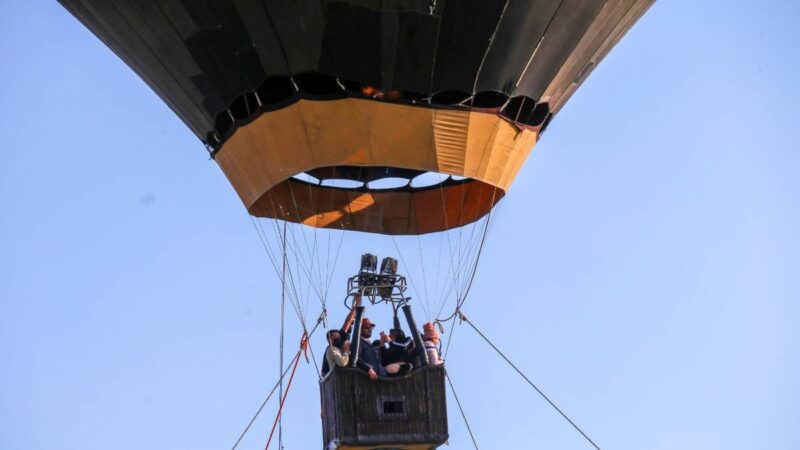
x=307 y=106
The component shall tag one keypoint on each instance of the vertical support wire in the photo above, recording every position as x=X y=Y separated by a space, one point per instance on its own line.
x=280 y=356
x=461 y=410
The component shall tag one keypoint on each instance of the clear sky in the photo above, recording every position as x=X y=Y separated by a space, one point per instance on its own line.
x=643 y=269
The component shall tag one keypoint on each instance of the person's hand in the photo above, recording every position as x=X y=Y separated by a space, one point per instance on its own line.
x=346 y=346
x=384 y=338
x=372 y=375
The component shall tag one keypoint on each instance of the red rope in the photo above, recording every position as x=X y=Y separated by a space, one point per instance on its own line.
x=303 y=347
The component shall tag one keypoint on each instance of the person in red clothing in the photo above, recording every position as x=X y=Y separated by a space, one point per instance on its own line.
x=430 y=338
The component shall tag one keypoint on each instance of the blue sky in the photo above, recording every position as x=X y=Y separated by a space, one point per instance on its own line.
x=643 y=269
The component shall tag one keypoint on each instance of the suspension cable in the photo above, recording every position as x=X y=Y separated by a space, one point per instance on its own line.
x=314 y=359
x=263 y=404
x=463 y=415
x=303 y=347
x=280 y=356
x=460 y=302
x=277 y=383
x=464 y=319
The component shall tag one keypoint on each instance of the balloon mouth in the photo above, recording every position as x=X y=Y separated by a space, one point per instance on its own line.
x=281 y=91
x=357 y=199
x=379 y=167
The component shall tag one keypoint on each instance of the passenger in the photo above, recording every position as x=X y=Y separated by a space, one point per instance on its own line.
x=396 y=356
x=369 y=357
x=338 y=352
x=344 y=336
x=430 y=338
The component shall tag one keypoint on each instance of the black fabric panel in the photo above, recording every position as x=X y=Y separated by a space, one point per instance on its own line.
x=389 y=49
x=350 y=44
x=519 y=33
x=567 y=28
x=299 y=24
x=223 y=49
x=264 y=37
x=118 y=33
x=204 y=57
x=611 y=24
x=409 y=44
x=467 y=28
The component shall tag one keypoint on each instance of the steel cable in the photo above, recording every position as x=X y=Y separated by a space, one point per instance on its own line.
x=564 y=415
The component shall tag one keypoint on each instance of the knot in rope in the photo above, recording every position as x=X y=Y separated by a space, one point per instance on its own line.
x=304 y=344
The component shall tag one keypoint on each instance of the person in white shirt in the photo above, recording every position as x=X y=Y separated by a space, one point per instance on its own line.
x=338 y=352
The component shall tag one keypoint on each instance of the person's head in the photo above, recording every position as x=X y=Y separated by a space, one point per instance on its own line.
x=366 y=328
x=429 y=333
x=335 y=338
x=397 y=335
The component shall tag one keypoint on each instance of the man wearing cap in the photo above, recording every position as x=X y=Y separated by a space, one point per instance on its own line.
x=369 y=357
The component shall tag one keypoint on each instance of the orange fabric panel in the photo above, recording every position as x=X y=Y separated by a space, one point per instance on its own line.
x=395 y=212
x=260 y=157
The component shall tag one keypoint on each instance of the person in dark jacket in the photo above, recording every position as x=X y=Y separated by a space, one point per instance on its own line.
x=369 y=357
x=396 y=355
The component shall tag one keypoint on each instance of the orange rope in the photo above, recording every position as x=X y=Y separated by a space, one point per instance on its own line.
x=303 y=347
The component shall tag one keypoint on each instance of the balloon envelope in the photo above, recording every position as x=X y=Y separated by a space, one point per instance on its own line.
x=362 y=90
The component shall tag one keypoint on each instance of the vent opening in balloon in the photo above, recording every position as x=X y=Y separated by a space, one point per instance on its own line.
x=377 y=178
x=375 y=199
x=388 y=183
x=342 y=183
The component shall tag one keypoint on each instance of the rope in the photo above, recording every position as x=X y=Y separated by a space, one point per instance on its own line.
x=314 y=359
x=413 y=285
x=464 y=319
x=303 y=347
x=293 y=297
x=460 y=303
x=449 y=338
x=277 y=383
x=263 y=404
x=463 y=415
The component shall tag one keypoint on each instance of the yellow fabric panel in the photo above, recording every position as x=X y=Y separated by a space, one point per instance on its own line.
x=311 y=134
x=262 y=156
